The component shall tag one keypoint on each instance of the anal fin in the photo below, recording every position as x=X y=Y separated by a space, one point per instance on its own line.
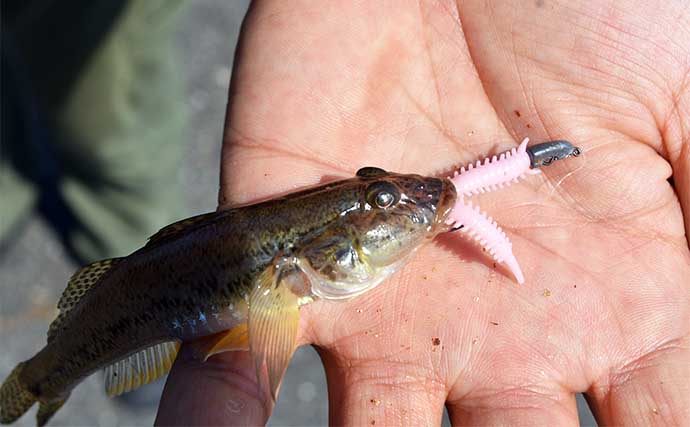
x=273 y=324
x=140 y=368
x=235 y=339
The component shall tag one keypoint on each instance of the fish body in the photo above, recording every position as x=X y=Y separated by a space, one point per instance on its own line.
x=228 y=280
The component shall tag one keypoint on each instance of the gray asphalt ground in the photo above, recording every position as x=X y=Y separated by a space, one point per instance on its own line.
x=35 y=270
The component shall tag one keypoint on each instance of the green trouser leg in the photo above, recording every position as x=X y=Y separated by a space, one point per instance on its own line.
x=18 y=192
x=120 y=135
x=44 y=46
x=17 y=197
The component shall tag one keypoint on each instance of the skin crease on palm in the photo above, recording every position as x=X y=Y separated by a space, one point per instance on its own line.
x=322 y=89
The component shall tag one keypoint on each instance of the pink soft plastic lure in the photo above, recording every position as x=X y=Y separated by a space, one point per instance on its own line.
x=494 y=173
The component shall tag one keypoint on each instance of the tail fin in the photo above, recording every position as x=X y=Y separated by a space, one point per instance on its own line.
x=15 y=398
x=46 y=410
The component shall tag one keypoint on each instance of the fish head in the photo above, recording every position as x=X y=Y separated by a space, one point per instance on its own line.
x=399 y=213
x=394 y=215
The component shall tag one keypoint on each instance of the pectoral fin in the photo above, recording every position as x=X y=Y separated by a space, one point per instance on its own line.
x=273 y=323
x=234 y=339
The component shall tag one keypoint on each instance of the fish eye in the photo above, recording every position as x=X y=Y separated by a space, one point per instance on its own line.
x=382 y=195
x=384 y=199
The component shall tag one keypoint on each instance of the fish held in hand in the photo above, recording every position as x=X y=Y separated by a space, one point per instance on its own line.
x=228 y=280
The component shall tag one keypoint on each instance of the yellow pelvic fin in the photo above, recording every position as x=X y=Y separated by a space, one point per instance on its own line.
x=235 y=339
x=273 y=324
x=81 y=282
x=140 y=368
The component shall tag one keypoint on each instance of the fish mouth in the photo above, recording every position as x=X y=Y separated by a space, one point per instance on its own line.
x=446 y=202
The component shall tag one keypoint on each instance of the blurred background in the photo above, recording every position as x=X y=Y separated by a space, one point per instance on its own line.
x=112 y=120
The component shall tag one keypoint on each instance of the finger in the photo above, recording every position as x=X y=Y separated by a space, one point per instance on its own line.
x=679 y=156
x=220 y=391
x=380 y=393
x=653 y=390
x=367 y=98
x=515 y=407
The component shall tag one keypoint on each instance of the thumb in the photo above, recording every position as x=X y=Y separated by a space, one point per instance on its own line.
x=221 y=391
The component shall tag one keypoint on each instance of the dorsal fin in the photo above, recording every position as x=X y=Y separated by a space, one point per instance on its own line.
x=179 y=227
x=140 y=368
x=84 y=279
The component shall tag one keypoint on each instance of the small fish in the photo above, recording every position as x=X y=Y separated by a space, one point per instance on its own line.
x=228 y=280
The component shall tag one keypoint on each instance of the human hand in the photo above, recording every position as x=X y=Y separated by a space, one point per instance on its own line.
x=421 y=87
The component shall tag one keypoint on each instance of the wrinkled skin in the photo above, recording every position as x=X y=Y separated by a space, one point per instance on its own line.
x=321 y=91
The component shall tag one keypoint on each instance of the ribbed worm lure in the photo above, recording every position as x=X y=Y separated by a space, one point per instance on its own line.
x=491 y=174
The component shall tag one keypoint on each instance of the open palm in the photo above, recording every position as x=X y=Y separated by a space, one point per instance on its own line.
x=322 y=90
